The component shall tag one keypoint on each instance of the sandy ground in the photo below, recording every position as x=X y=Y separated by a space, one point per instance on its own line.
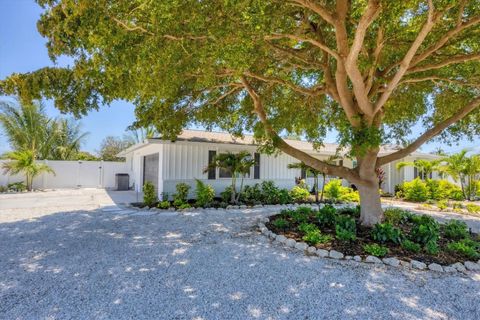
x=207 y=264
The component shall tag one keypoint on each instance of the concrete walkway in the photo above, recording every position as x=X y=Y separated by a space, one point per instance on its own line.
x=207 y=264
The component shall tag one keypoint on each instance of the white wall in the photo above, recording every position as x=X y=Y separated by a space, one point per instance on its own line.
x=74 y=174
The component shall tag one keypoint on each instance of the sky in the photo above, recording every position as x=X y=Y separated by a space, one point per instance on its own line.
x=22 y=49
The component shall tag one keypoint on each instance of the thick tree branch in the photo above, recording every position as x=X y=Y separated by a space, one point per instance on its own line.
x=351 y=61
x=376 y=58
x=317 y=8
x=432 y=18
x=429 y=134
x=315 y=163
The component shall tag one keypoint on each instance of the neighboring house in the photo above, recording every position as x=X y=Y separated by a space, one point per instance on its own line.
x=166 y=163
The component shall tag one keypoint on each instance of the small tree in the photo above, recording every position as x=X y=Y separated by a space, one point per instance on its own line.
x=238 y=164
x=425 y=167
x=23 y=162
x=111 y=146
x=465 y=170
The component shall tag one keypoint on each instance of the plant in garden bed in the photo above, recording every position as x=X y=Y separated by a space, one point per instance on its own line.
x=345 y=228
x=165 y=204
x=205 y=194
x=375 y=250
x=149 y=194
x=180 y=197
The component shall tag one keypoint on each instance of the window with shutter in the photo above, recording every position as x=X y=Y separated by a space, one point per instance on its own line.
x=256 y=168
x=211 y=171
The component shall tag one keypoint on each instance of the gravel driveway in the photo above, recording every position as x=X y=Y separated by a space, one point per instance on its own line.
x=201 y=265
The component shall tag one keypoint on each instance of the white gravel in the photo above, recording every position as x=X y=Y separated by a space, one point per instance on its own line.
x=204 y=264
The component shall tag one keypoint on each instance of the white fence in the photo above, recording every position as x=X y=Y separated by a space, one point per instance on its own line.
x=73 y=174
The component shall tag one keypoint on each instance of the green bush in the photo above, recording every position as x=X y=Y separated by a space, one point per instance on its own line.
x=251 y=194
x=297 y=216
x=345 y=228
x=465 y=247
x=313 y=237
x=411 y=246
x=177 y=203
x=184 y=206
x=226 y=194
x=386 y=232
x=327 y=215
x=432 y=247
x=443 y=189
x=334 y=190
x=425 y=229
x=281 y=223
x=205 y=194
x=396 y=216
x=299 y=194
x=271 y=194
x=17 y=186
x=473 y=208
x=149 y=194
x=350 y=211
x=415 y=190
x=307 y=227
x=375 y=250
x=306 y=211
x=442 y=205
x=182 y=192
x=3 y=189
x=456 y=230
x=164 y=204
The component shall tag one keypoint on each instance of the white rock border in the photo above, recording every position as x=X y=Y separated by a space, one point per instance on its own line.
x=372 y=260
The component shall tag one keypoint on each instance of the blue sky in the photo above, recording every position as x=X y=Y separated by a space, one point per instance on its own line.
x=22 y=49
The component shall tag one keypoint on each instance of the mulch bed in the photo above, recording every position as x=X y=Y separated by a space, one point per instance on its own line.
x=353 y=248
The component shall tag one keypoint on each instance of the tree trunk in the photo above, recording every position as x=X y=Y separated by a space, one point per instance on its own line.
x=370 y=205
x=315 y=179
x=233 y=195
x=323 y=186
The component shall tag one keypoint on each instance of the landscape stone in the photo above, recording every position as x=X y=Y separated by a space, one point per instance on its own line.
x=449 y=269
x=418 y=265
x=348 y=257
x=281 y=238
x=291 y=243
x=312 y=250
x=394 y=262
x=357 y=258
x=435 y=267
x=322 y=253
x=335 y=254
x=472 y=266
x=459 y=267
x=373 y=259
x=301 y=246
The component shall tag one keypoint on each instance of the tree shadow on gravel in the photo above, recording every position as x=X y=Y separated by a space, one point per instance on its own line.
x=212 y=265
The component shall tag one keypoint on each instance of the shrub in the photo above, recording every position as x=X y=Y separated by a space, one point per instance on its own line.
x=375 y=250
x=442 y=205
x=305 y=210
x=226 y=194
x=251 y=194
x=17 y=186
x=425 y=229
x=314 y=237
x=384 y=232
x=410 y=246
x=350 y=211
x=345 y=228
x=184 y=206
x=443 y=189
x=182 y=192
x=3 y=189
x=164 y=204
x=281 y=223
x=205 y=194
x=465 y=247
x=307 y=227
x=350 y=196
x=299 y=194
x=399 y=190
x=396 y=216
x=415 y=190
x=456 y=230
x=177 y=203
x=149 y=194
x=432 y=247
x=296 y=216
x=333 y=189
x=327 y=215
x=473 y=208
x=457 y=205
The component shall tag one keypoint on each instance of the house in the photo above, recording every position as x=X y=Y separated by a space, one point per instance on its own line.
x=165 y=163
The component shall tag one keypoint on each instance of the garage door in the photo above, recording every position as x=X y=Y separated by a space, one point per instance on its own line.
x=150 y=169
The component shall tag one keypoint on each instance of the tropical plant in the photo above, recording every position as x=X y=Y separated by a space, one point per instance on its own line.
x=415 y=190
x=24 y=162
x=299 y=194
x=237 y=164
x=67 y=138
x=370 y=70
x=149 y=194
x=464 y=169
x=424 y=167
x=205 y=193
x=182 y=193
x=375 y=250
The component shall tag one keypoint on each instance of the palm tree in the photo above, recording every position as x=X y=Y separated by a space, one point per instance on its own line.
x=139 y=135
x=424 y=167
x=465 y=170
x=26 y=127
x=23 y=162
x=238 y=164
x=67 y=138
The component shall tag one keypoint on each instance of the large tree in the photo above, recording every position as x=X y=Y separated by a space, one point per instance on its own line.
x=370 y=69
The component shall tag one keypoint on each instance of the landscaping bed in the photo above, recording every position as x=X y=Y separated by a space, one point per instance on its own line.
x=403 y=235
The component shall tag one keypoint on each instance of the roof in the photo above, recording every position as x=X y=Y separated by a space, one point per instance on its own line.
x=248 y=140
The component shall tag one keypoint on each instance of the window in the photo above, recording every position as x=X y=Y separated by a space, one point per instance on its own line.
x=211 y=171
x=256 y=167
x=224 y=173
x=303 y=173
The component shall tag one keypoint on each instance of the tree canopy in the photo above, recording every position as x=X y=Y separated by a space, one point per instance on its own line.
x=369 y=69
